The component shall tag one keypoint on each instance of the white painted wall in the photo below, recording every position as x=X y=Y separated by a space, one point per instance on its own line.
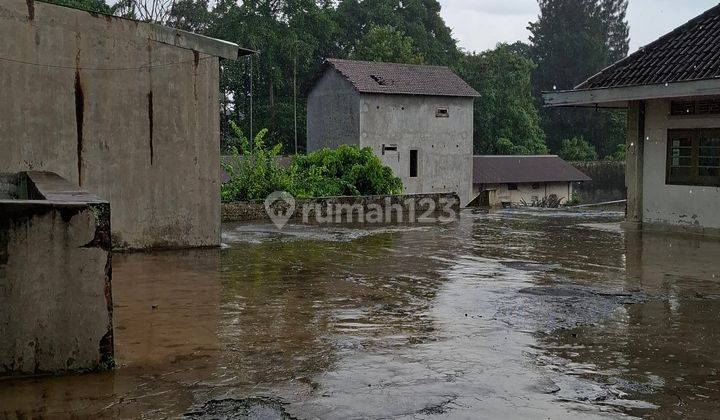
x=501 y=193
x=674 y=204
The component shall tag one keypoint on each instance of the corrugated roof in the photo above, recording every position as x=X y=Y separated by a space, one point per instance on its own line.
x=524 y=169
x=402 y=79
x=690 y=52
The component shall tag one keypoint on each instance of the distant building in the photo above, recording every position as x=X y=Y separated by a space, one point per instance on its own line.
x=127 y=110
x=505 y=180
x=671 y=89
x=417 y=119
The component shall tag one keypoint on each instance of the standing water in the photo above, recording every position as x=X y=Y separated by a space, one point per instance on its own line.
x=513 y=314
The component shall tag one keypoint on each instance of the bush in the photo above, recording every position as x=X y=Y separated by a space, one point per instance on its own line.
x=253 y=170
x=255 y=173
x=575 y=200
x=577 y=149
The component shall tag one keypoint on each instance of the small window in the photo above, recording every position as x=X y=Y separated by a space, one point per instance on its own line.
x=693 y=157
x=700 y=107
x=512 y=187
x=536 y=186
x=413 y=163
x=389 y=148
x=442 y=113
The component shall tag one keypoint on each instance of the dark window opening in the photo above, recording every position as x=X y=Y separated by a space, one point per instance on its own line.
x=413 y=164
x=389 y=148
x=700 y=107
x=536 y=186
x=693 y=157
x=442 y=113
x=512 y=187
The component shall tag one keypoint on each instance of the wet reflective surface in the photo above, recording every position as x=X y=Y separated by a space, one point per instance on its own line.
x=511 y=314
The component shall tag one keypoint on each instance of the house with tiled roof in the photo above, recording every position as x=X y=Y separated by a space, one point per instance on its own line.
x=523 y=180
x=417 y=119
x=671 y=89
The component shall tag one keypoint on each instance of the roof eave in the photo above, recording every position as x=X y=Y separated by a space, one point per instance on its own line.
x=192 y=41
x=618 y=97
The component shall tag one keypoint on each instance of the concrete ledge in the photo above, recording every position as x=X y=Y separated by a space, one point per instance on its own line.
x=55 y=278
x=341 y=206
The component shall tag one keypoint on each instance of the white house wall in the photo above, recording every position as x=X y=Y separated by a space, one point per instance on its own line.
x=674 y=204
x=501 y=194
x=445 y=155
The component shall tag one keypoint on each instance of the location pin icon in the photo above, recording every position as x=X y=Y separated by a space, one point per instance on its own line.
x=280 y=207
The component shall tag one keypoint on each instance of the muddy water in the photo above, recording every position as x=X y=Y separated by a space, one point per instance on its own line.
x=513 y=314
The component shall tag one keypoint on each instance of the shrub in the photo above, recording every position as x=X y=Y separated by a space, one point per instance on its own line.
x=577 y=149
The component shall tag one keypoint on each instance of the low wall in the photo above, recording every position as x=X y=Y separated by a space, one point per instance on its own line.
x=337 y=209
x=55 y=278
x=608 y=181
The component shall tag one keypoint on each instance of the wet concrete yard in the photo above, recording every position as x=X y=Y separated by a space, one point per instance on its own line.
x=511 y=314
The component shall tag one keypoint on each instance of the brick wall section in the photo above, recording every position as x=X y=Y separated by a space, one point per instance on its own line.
x=247 y=212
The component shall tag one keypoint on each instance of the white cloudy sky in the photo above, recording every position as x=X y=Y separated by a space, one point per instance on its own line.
x=480 y=24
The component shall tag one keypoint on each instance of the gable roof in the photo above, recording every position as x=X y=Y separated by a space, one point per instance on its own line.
x=524 y=169
x=689 y=53
x=401 y=79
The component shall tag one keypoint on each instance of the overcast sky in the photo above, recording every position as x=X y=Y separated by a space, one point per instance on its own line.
x=480 y=24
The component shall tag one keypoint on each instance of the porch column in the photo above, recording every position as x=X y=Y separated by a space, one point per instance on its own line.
x=634 y=163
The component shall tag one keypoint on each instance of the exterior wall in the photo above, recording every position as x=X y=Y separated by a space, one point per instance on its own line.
x=55 y=281
x=333 y=113
x=690 y=206
x=499 y=193
x=145 y=138
x=445 y=149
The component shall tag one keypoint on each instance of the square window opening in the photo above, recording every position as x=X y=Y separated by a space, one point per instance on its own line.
x=442 y=113
x=512 y=187
x=693 y=157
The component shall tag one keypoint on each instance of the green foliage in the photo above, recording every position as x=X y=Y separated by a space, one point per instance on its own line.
x=254 y=170
x=90 y=5
x=506 y=120
x=385 y=43
x=577 y=149
x=620 y=153
x=572 y=40
x=575 y=200
x=346 y=170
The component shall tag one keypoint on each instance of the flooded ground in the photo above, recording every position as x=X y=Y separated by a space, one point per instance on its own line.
x=512 y=314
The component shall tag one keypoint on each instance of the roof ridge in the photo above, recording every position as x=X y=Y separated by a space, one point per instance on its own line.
x=649 y=47
x=388 y=62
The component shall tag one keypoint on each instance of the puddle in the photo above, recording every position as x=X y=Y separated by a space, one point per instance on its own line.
x=512 y=314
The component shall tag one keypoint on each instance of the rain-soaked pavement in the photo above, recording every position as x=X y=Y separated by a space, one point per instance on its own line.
x=512 y=314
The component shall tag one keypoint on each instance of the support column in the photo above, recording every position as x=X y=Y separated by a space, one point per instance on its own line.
x=634 y=163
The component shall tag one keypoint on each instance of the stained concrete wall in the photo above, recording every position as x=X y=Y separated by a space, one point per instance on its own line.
x=333 y=113
x=128 y=118
x=607 y=184
x=684 y=206
x=501 y=194
x=444 y=145
x=55 y=281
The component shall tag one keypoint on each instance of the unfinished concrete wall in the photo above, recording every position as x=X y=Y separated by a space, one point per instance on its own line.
x=693 y=207
x=128 y=118
x=55 y=281
x=444 y=144
x=333 y=113
x=607 y=184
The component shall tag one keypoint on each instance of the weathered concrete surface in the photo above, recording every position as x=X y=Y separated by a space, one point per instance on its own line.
x=337 y=114
x=691 y=208
x=55 y=281
x=608 y=181
x=499 y=193
x=338 y=209
x=634 y=162
x=100 y=101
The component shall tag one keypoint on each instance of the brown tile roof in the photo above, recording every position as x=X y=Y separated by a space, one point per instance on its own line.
x=401 y=79
x=690 y=52
x=524 y=169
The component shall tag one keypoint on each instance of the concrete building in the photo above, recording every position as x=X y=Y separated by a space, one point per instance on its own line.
x=417 y=119
x=515 y=180
x=671 y=89
x=124 y=109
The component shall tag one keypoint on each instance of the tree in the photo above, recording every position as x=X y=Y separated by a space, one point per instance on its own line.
x=385 y=43
x=156 y=11
x=577 y=149
x=572 y=40
x=506 y=120
x=90 y=5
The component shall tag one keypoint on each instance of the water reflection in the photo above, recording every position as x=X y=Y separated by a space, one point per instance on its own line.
x=520 y=314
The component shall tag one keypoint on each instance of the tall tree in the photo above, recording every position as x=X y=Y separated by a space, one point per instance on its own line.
x=572 y=40
x=506 y=120
x=385 y=43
